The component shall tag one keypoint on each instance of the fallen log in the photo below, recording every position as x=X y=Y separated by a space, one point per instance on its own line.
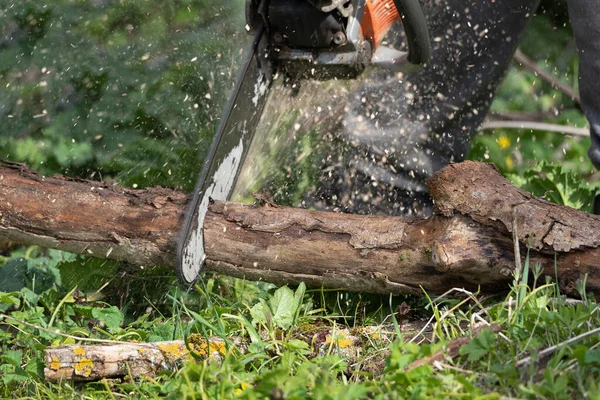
x=467 y=244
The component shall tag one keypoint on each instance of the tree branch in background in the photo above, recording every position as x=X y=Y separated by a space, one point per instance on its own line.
x=556 y=83
x=536 y=126
x=533 y=121
x=539 y=116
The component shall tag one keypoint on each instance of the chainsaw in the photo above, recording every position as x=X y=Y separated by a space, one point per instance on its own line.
x=304 y=40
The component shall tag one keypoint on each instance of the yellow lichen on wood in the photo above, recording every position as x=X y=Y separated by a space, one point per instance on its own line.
x=55 y=364
x=215 y=347
x=79 y=351
x=174 y=351
x=200 y=346
x=340 y=339
x=84 y=367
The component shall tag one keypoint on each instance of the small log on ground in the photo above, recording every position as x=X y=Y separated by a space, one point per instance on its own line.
x=92 y=362
x=467 y=244
x=133 y=360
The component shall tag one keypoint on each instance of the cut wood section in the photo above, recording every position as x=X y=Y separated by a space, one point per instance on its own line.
x=467 y=244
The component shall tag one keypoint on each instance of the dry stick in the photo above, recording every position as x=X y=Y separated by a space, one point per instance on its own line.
x=57 y=332
x=452 y=349
x=92 y=362
x=536 y=126
x=549 y=350
x=520 y=116
x=484 y=322
x=573 y=363
x=427 y=325
x=530 y=64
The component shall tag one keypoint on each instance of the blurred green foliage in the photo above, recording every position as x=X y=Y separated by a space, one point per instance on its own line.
x=134 y=90
x=126 y=90
x=526 y=94
x=547 y=164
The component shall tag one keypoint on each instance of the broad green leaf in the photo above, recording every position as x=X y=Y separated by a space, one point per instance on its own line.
x=88 y=274
x=557 y=185
x=29 y=296
x=162 y=332
x=298 y=345
x=283 y=305
x=479 y=346
x=13 y=275
x=13 y=374
x=111 y=316
x=9 y=299
x=13 y=357
x=260 y=312
x=592 y=357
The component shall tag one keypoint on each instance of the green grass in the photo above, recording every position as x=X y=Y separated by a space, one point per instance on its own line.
x=282 y=343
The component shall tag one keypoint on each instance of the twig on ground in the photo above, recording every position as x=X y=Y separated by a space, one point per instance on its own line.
x=427 y=325
x=547 y=352
x=566 y=302
x=484 y=322
x=56 y=331
x=452 y=348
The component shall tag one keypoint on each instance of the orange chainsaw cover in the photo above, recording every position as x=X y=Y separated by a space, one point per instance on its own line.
x=379 y=15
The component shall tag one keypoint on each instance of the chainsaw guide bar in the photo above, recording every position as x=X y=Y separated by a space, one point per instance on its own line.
x=226 y=154
x=302 y=39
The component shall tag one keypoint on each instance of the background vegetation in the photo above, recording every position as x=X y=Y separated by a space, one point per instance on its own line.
x=132 y=91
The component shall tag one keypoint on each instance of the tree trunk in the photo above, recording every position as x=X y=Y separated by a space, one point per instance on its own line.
x=469 y=243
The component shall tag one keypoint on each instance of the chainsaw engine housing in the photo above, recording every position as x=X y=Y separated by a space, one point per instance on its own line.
x=324 y=39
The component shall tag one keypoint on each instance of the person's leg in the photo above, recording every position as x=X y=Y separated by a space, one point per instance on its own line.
x=585 y=20
x=404 y=128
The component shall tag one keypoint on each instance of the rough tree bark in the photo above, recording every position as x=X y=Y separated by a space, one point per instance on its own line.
x=469 y=243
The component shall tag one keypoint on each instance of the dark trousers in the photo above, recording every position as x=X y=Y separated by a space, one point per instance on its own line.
x=405 y=127
x=585 y=20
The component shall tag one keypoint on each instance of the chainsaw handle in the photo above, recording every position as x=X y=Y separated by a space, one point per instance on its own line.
x=415 y=27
